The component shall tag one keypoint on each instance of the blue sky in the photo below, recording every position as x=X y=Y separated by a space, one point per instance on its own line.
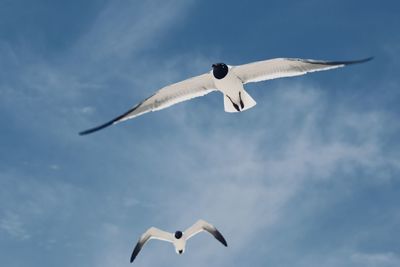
x=309 y=177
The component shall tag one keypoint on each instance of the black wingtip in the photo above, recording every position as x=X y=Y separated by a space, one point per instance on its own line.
x=220 y=238
x=95 y=129
x=334 y=63
x=114 y=121
x=135 y=252
x=350 y=62
x=359 y=61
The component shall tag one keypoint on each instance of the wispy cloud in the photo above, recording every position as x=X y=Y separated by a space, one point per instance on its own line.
x=244 y=182
x=11 y=223
x=388 y=259
x=124 y=28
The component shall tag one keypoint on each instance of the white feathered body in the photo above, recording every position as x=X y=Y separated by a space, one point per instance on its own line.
x=179 y=244
x=230 y=86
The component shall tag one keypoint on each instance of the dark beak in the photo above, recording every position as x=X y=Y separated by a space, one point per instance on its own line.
x=213 y=65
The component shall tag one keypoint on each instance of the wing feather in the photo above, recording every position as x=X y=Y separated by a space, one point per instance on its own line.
x=165 y=97
x=285 y=67
x=151 y=233
x=202 y=225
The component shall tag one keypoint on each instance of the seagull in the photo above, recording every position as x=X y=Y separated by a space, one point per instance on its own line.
x=229 y=80
x=179 y=238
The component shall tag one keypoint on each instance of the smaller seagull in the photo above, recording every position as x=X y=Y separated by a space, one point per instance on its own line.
x=178 y=239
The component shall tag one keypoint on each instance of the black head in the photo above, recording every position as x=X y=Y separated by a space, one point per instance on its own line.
x=178 y=234
x=220 y=70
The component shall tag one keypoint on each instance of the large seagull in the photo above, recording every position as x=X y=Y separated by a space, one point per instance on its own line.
x=229 y=80
x=178 y=239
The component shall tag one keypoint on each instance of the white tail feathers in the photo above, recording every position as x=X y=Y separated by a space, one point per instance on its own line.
x=228 y=106
x=231 y=101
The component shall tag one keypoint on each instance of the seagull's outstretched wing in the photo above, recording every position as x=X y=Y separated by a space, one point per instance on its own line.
x=165 y=97
x=151 y=233
x=202 y=225
x=285 y=67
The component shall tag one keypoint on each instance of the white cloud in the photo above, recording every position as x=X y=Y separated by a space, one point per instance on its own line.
x=242 y=181
x=388 y=259
x=124 y=28
x=11 y=223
